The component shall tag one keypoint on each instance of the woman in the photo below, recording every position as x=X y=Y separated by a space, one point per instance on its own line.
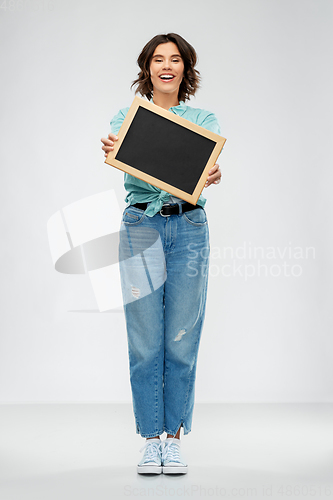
x=164 y=324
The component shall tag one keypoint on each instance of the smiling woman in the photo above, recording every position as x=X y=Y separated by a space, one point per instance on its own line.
x=166 y=70
x=173 y=50
x=164 y=325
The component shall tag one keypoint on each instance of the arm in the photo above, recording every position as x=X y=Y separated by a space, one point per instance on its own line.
x=211 y=123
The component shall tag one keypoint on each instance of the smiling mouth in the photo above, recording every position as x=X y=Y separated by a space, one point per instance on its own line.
x=166 y=78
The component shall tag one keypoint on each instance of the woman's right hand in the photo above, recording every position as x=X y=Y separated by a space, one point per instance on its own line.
x=108 y=143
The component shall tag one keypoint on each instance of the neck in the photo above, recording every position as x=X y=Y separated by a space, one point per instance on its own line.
x=165 y=101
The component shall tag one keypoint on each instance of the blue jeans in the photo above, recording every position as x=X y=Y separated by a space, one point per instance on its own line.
x=164 y=272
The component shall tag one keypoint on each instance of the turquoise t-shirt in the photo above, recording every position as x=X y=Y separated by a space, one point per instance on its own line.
x=139 y=191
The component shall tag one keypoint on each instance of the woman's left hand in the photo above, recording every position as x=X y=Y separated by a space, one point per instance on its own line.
x=214 y=176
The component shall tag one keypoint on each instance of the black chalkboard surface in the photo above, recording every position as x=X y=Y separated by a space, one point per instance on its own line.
x=165 y=150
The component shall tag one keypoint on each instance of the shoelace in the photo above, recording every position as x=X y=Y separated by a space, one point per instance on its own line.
x=152 y=451
x=172 y=451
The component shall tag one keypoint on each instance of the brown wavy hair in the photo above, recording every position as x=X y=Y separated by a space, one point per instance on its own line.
x=191 y=79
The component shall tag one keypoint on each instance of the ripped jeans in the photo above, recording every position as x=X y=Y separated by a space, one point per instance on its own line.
x=164 y=272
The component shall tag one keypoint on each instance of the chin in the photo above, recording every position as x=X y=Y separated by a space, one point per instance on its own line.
x=165 y=90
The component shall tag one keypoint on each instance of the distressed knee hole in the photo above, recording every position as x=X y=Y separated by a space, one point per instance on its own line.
x=135 y=292
x=179 y=335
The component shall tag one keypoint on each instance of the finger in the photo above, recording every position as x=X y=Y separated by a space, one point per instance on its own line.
x=106 y=142
x=214 y=179
x=107 y=148
x=214 y=169
x=113 y=137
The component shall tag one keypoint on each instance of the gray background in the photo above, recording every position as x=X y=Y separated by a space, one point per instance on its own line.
x=266 y=70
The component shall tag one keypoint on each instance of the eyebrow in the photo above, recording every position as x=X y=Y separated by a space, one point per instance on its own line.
x=174 y=55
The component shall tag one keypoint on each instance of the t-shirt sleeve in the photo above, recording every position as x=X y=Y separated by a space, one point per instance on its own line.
x=117 y=120
x=210 y=122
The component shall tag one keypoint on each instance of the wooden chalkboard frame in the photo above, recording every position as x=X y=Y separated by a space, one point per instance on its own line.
x=155 y=180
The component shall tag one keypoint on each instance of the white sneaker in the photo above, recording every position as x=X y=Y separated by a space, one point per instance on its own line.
x=151 y=462
x=172 y=461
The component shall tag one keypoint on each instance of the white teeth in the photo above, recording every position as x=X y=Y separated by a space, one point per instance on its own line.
x=166 y=77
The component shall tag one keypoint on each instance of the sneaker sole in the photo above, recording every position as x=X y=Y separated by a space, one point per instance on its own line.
x=149 y=469
x=175 y=470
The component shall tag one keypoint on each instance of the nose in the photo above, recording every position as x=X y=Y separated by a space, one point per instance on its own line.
x=166 y=64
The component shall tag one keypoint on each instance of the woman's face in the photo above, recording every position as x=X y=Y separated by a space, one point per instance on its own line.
x=166 y=68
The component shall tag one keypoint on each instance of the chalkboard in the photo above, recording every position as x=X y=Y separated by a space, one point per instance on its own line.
x=165 y=150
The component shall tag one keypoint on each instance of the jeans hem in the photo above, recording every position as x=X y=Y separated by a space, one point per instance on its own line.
x=186 y=430
x=150 y=434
